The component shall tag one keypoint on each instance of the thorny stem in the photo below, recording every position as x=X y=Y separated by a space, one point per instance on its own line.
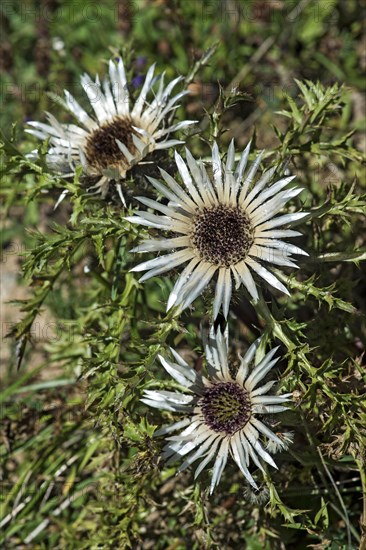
x=23 y=334
x=276 y=328
x=201 y=62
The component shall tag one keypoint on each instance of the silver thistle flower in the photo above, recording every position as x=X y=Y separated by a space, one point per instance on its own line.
x=118 y=137
x=220 y=410
x=224 y=226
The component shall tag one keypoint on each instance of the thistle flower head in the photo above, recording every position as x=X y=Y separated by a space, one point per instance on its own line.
x=221 y=410
x=224 y=226
x=118 y=136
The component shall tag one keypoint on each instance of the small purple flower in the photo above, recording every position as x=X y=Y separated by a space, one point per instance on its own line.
x=138 y=81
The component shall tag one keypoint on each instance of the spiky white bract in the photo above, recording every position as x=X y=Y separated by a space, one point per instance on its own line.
x=286 y=439
x=221 y=410
x=108 y=144
x=223 y=226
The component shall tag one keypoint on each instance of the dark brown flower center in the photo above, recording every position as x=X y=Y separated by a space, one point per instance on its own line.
x=102 y=150
x=226 y=407
x=222 y=234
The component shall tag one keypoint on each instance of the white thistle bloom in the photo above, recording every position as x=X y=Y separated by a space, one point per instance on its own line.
x=117 y=137
x=221 y=410
x=224 y=225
